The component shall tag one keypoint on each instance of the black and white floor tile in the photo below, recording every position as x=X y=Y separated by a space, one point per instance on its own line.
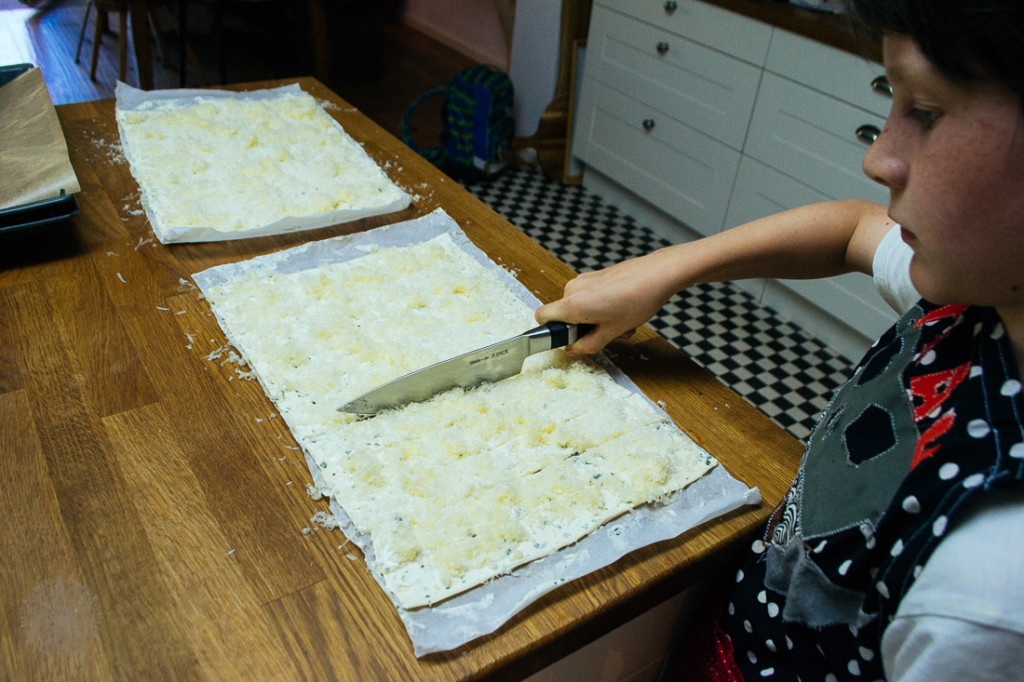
x=775 y=366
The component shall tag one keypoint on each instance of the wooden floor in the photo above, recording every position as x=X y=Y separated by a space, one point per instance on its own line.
x=378 y=65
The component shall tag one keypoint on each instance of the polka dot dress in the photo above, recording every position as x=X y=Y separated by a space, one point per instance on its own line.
x=931 y=418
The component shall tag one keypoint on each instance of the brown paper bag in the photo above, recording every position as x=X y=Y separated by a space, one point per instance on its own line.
x=34 y=162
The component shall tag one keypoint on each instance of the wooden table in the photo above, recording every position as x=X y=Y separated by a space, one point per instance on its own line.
x=154 y=509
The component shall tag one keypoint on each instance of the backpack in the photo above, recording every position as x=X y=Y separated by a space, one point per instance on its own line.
x=478 y=125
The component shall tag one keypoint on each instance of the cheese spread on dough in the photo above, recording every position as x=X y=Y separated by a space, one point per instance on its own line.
x=233 y=165
x=470 y=484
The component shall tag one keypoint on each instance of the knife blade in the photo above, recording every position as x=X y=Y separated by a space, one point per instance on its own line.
x=491 y=363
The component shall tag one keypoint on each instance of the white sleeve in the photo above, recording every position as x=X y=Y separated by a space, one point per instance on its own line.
x=963 y=619
x=890 y=269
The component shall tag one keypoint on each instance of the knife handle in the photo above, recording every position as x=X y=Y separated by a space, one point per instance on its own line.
x=555 y=335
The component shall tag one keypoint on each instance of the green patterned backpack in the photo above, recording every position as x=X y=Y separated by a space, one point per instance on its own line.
x=478 y=125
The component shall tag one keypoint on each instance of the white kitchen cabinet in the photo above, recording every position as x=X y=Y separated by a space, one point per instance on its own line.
x=845 y=301
x=679 y=169
x=813 y=138
x=735 y=107
x=808 y=134
x=677 y=77
x=828 y=70
x=663 y=114
x=719 y=29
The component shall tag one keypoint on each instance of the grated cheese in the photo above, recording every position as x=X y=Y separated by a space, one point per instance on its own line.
x=470 y=484
x=235 y=164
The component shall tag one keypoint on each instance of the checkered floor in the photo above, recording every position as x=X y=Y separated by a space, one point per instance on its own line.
x=785 y=373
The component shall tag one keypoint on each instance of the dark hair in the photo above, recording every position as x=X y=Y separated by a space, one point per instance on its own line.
x=967 y=40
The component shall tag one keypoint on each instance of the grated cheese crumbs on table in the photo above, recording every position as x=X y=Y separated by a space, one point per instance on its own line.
x=234 y=164
x=470 y=484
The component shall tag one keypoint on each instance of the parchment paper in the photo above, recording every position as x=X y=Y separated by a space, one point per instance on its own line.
x=34 y=162
x=483 y=609
x=129 y=98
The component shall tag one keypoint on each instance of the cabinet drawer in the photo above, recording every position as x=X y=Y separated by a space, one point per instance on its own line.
x=761 y=191
x=833 y=72
x=812 y=138
x=701 y=88
x=678 y=169
x=739 y=36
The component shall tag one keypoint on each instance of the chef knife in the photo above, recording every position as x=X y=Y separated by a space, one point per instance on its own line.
x=490 y=363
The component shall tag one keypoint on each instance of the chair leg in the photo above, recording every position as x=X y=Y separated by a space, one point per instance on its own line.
x=181 y=22
x=122 y=45
x=97 y=38
x=185 y=49
x=81 y=34
x=218 y=32
x=195 y=65
x=158 y=38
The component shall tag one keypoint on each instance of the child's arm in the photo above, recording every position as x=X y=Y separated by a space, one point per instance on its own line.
x=818 y=240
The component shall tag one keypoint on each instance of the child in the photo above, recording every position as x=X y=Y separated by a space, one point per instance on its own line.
x=898 y=551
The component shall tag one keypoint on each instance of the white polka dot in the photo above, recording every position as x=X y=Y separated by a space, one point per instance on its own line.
x=1010 y=388
x=998 y=332
x=820 y=547
x=739 y=575
x=883 y=589
x=1017 y=451
x=897 y=548
x=978 y=428
x=974 y=480
x=752 y=657
x=870 y=542
x=854 y=668
x=867 y=654
x=773 y=609
x=758 y=547
x=928 y=358
x=789 y=643
x=934 y=414
x=748 y=627
x=939 y=527
x=948 y=471
x=732 y=609
x=844 y=567
x=976 y=371
x=768 y=672
x=762 y=597
x=911 y=504
x=831 y=678
x=770 y=646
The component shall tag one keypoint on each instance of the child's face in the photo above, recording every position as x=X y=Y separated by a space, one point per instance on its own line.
x=952 y=156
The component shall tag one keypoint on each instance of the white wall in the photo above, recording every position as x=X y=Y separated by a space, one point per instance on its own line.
x=534 y=63
x=471 y=27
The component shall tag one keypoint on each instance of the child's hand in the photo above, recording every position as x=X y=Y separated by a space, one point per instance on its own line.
x=617 y=300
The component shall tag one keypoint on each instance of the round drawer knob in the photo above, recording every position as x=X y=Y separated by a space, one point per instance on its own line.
x=648 y=124
x=868 y=133
x=880 y=84
x=671 y=6
x=661 y=47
